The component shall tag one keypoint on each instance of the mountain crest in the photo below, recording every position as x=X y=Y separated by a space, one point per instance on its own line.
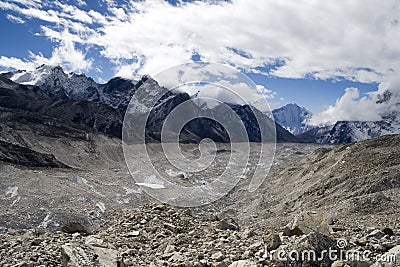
x=293 y=118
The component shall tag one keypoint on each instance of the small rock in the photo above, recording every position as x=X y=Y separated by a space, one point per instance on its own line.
x=319 y=243
x=272 y=241
x=377 y=234
x=108 y=257
x=246 y=254
x=290 y=230
x=160 y=207
x=255 y=245
x=169 y=249
x=388 y=231
x=171 y=227
x=94 y=241
x=218 y=256
x=247 y=233
x=176 y=256
x=37 y=241
x=180 y=176
x=312 y=222
x=25 y=264
x=75 y=227
x=73 y=256
x=132 y=233
x=389 y=245
x=228 y=224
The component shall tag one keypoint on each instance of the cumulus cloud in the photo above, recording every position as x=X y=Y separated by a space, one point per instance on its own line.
x=374 y=106
x=354 y=40
x=67 y=55
x=16 y=63
x=64 y=54
x=349 y=107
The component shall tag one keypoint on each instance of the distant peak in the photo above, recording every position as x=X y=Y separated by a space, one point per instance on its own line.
x=49 y=67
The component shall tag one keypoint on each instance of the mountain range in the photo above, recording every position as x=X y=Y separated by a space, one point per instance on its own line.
x=51 y=102
x=295 y=119
x=48 y=95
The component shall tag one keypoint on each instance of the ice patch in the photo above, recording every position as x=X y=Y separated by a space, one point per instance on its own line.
x=173 y=173
x=132 y=191
x=101 y=206
x=79 y=198
x=151 y=182
x=16 y=200
x=12 y=191
x=153 y=186
x=45 y=221
x=81 y=180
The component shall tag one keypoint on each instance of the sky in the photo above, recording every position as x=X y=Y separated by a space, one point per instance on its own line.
x=333 y=57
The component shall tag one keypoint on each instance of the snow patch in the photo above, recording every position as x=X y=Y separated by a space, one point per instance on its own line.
x=173 y=173
x=132 y=191
x=15 y=201
x=101 y=206
x=45 y=221
x=153 y=186
x=12 y=191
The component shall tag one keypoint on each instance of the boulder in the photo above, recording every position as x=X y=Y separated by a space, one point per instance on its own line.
x=272 y=241
x=75 y=227
x=228 y=224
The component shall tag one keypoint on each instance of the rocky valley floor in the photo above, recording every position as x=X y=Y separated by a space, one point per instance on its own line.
x=93 y=214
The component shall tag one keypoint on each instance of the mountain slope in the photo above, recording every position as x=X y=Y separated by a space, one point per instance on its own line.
x=293 y=118
x=29 y=104
x=55 y=91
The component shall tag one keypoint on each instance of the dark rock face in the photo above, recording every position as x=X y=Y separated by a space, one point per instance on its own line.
x=293 y=118
x=31 y=105
x=80 y=103
x=27 y=157
x=316 y=135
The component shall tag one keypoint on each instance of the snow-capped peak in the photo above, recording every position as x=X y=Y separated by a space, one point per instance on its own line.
x=293 y=118
x=55 y=82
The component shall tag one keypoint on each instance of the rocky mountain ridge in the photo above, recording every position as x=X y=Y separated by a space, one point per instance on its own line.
x=52 y=82
x=293 y=118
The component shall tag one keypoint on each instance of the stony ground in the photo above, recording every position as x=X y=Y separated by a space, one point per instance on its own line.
x=344 y=198
x=158 y=235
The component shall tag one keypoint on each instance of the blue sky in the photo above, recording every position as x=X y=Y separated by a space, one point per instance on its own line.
x=278 y=44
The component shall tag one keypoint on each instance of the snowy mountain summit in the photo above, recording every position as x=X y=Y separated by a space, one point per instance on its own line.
x=354 y=131
x=55 y=82
x=293 y=118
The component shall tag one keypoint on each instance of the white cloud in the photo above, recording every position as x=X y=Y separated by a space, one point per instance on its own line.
x=350 y=107
x=81 y=2
x=30 y=3
x=15 y=19
x=349 y=37
x=356 y=40
x=65 y=54
x=15 y=63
